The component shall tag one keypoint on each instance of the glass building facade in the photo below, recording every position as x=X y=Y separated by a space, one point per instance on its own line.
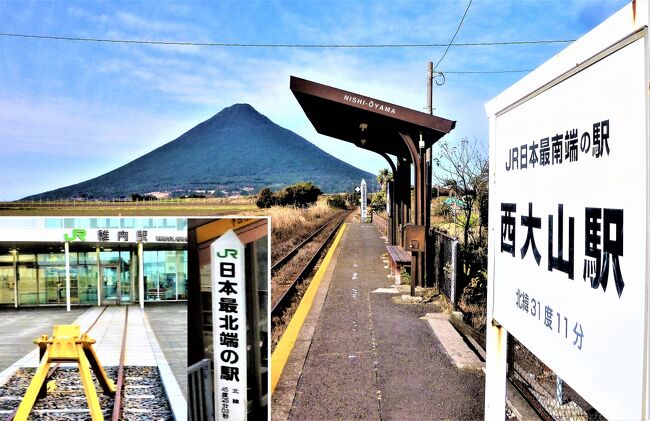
x=103 y=264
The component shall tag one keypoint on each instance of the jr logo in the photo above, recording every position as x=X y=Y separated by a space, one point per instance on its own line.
x=76 y=233
x=227 y=252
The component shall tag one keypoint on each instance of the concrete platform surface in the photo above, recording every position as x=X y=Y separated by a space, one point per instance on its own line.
x=371 y=356
x=20 y=326
x=169 y=323
x=459 y=353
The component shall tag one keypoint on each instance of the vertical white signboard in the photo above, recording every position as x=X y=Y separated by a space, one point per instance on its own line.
x=569 y=211
x=229 y=326
x=364 y=201
x=388 y=199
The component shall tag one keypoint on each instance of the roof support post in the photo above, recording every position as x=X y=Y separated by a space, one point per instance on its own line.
x=403 y=197
x=392 y=218
x=428 y=259
x=417 y=258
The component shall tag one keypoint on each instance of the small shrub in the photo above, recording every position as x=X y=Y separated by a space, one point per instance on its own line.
x=405 y=276
x=378 y=202
x=337 y=201
x=265 y=198
x=473 y=301
x=299 y=194
x=442 y=210
x=135 y=197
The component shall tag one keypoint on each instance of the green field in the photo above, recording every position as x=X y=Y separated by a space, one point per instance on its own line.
x=171 y=207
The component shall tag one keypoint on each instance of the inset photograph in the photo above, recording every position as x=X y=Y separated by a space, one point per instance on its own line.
x=94 y=316
x=228 y=319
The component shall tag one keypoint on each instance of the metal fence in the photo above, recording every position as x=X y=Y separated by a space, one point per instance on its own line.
x=443 y=256
x=201 y=406
x=551 y=398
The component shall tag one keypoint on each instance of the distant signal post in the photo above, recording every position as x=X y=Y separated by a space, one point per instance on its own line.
x=364 y=201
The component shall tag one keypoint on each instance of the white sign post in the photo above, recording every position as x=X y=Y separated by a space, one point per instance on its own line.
x=388 y=199
x=229 y=326
x=364 y=201
x=569 y=219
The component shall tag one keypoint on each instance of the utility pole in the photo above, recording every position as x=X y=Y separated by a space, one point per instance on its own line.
x=428 y=178
x=430 y=89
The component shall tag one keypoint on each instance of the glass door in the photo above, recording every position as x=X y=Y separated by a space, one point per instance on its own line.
x=125 y=282
x=111 y=285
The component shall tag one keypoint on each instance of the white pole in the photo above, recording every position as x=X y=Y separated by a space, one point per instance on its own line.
x=141 y=274
x=132 y=270
x=495 y=371
x=179 y=264
x=99 y=278
x=15 y=261
x=67 y=275
x=496 y=347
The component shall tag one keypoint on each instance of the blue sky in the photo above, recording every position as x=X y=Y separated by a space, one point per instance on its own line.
x=70 y=111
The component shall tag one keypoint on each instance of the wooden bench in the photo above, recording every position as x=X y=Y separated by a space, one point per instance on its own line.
x=398 y=258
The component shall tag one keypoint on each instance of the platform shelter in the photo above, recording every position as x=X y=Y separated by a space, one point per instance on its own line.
x=390 y=131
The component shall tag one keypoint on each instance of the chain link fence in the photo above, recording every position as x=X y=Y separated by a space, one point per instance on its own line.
x=443 y=256
x=549 y=395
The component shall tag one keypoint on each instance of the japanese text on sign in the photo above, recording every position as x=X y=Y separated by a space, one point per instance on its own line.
x=603 y=230
x=229 y=315
x=560 y=323
x=560 y=148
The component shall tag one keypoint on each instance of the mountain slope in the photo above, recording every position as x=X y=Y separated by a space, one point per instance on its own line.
x=236 y=148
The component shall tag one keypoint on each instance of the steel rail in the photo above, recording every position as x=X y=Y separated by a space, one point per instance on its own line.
x=289 y=255
x=510 y=376
x=530 y=398
x=284 y=300
x=117 y=402
x=96 y=320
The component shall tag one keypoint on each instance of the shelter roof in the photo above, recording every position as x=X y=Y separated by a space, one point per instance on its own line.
x=367 y=122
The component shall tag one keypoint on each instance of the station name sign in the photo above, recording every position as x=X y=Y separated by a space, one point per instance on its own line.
x=119 y=236
x=94 y=235
x=568 y=217
x=371 y=104
x=229 y=321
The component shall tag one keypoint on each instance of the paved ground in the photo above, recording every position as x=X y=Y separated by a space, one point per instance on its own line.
x=372 y=357
x=21 y=326
x=169 y=323
x=166 y=348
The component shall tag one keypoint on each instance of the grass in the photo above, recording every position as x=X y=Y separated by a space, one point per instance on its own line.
x=165 y=207
x=475 y=314
x=289 y=225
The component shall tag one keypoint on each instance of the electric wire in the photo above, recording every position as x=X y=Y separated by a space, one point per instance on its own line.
x=454 y=37
x=284 y=45
x=470 y=72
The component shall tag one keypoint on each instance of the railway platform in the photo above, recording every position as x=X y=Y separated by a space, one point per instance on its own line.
x=363 y=353
x=106 y=326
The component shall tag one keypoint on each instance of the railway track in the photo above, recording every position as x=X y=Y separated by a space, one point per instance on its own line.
x=139 y=394
x=277 y=265
x=295 y=267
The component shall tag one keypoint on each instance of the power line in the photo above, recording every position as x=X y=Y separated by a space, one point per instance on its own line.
x=454 y=37
x=484 y=71
x=283 y=45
